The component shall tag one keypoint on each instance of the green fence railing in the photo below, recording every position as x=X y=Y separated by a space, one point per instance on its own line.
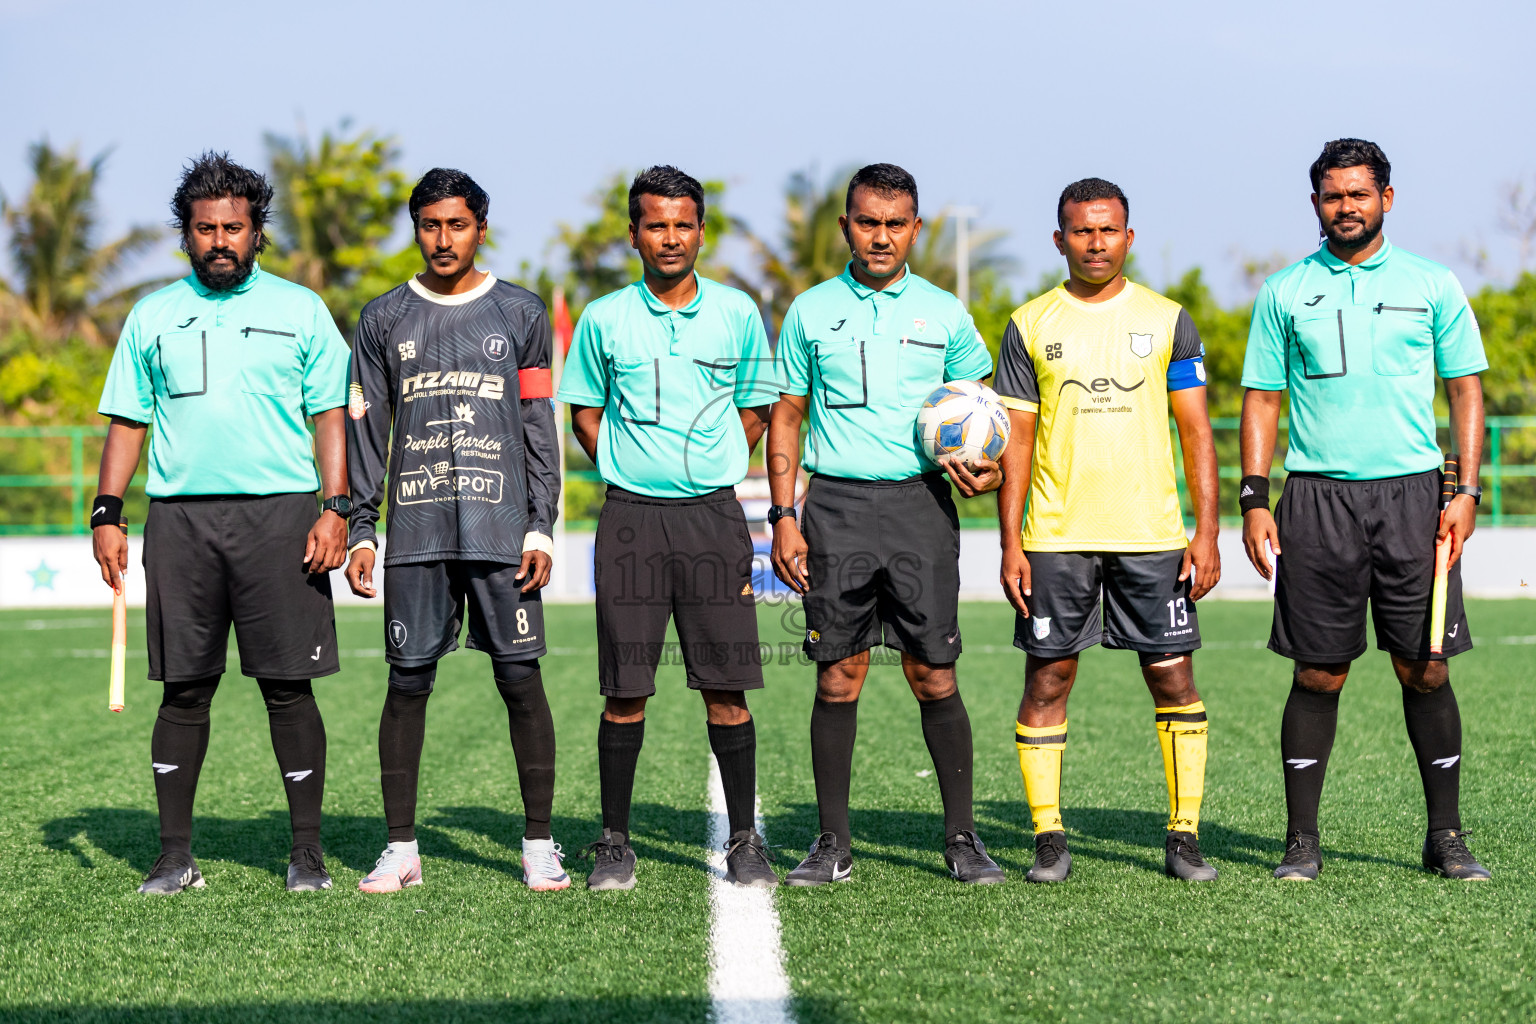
x=47 y=474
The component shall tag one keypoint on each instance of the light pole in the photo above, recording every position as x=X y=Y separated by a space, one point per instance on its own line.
x=962 y=215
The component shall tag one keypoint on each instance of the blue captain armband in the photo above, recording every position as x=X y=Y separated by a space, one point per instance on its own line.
x=1186 y=373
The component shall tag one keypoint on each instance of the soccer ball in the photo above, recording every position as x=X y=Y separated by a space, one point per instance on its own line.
x=962 y=420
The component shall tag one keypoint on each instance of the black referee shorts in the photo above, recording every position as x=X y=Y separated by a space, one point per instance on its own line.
x=689 y=559
x=884 y=562
x=210 y=562
x=1344 y=542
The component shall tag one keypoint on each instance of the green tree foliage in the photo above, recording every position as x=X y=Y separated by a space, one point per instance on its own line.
x=64 y=273
x=338 y=202
x=1225 y=335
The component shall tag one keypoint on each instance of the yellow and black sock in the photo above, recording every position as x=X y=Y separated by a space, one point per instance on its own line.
x=1040 y=750
x=1181 y=732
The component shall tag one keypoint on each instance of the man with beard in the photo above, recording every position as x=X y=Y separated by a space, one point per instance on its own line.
x=668 y=396
x=227 y=363
x=880 y=557
x=450 y=392
x=1357 y=333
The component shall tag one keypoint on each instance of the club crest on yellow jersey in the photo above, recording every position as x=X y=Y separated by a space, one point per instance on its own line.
x=1141 y=345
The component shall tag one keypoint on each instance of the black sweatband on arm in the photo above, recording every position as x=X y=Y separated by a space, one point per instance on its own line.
x=1253 y=494
x=106 y=510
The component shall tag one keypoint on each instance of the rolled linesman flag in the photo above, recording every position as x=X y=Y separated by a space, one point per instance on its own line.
x=119 y=640
x=1448 y=482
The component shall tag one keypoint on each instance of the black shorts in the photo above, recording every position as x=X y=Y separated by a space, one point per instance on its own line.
x=424 y=611
x=1145 y=607
x=1344 y=542
x=884 y=562
x=689 y=559
x=213 y=562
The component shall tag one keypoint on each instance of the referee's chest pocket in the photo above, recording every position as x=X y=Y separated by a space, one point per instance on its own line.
x=922 y=369
x=1402 y=340
x=1322 y=346
x=843 y=372
x=182 y=357
x=270 y=363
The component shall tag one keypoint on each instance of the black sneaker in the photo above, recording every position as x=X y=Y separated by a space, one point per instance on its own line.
x=1303 y=858
x=614 y=862
x=1446 y=853
x=306 y=871
x=966 y=856
x=825 y=863
x=172 y=873
x=747 y=861
x=1181 y=859
x=1052 y=861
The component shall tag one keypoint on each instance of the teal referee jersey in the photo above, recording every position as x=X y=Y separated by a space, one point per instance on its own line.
x=227 y=379
x=868 y=360
x=669 y=382
x=1358 y=347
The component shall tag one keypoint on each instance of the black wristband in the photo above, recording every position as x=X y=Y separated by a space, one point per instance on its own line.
x=106 y=510
x=1253 y=494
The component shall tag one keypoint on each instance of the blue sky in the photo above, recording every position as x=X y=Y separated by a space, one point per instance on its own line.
x=1207 y=114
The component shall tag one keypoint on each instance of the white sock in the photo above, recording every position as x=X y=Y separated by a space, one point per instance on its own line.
x=409 y=848
x=538 y=844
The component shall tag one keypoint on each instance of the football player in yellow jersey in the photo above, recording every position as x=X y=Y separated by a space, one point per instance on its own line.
x=1088 y=371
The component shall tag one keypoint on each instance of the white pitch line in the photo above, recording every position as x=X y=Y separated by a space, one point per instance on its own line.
x=747 y=983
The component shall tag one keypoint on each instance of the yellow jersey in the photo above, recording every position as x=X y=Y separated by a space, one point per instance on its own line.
x=1098 y=375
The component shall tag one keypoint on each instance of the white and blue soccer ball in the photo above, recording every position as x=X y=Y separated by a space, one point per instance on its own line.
x=962 y=420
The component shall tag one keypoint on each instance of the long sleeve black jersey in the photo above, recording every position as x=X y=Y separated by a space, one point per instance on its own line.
x=462 y=383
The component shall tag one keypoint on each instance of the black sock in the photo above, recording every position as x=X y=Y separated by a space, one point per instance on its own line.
x=947 y=731
x=298 y=740
x=735 y=748
x=176 y=748
x=1306 y=738
x=402 y=728
x=618 y=751
x=833 y=728
x=1434 y=729
x=533 y=741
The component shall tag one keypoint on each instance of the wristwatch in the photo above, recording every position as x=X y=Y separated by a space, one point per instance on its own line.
x=777 y=512
x=1475 y=493
x=341 y=504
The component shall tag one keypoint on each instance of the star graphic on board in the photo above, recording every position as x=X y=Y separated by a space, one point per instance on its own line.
x=42 y=576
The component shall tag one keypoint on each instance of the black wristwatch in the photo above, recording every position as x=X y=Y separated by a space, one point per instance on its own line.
x=1475 y=493
x=341 y=504
x=777 y=512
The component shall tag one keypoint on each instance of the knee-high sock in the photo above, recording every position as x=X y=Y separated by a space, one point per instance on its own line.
x=1306 y=739
x=402 y=729
x=533 y=741
x=298 y=740
x=833 y=729
x=1181 y=732
x=618 y=752
x=947 y=731
x=735 y=750
x=1040 y=751
x=176 y=749
x=1434 y=729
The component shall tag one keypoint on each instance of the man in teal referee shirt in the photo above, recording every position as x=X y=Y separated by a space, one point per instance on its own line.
x=227 y=363
x=1357 y=333
x=669 y=382
x=879 y=558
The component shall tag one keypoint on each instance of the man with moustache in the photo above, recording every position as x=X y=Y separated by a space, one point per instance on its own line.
x=227 y=363
x=1357 y=332
x=879 y=558
x=669 y=386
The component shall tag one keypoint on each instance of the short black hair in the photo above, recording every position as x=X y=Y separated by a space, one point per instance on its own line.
x=668 y=182
x=886 y=180
x=447 y=183
x=215 y=176
x=1352 y=153
x=1086 y=190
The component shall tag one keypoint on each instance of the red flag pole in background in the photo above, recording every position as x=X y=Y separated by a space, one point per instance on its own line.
x=560 y=321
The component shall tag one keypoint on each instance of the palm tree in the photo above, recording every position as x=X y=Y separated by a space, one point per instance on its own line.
x=62 y=274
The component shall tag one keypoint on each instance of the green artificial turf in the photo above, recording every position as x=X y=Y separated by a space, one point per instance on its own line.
x=1375 y=939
